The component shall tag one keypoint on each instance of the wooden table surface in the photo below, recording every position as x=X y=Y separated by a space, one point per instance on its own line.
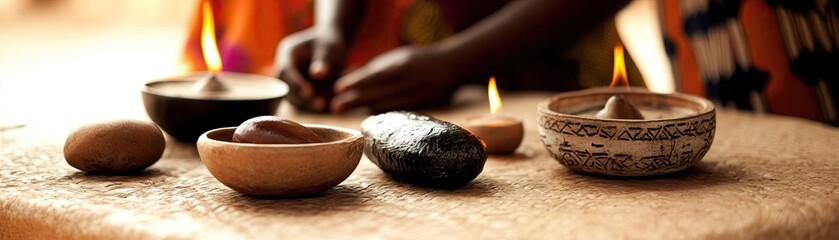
x=764 y=177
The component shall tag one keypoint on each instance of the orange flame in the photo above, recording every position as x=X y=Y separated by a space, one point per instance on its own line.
x=494 y=97
x=619 y=73
x=208 y=39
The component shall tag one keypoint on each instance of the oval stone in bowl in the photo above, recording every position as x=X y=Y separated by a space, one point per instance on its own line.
x=282 y=170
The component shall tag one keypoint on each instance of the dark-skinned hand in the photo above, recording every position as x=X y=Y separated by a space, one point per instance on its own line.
x=403 y=78
x=310 y=61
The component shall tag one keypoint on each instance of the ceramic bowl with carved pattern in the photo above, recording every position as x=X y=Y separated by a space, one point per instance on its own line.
x=282 y=170
x=676 y=132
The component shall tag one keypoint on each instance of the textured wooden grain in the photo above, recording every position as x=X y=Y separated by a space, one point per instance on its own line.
x=764 y=177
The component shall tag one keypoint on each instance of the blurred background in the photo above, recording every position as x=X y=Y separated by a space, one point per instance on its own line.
x=77 y=60
x=70 y=60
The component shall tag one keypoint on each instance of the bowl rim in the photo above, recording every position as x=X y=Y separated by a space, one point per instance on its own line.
x=147 y=88
x=543 y=108
x=354 y=136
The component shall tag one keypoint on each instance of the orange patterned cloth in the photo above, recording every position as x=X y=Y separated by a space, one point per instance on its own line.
x=248 y=33
x=776 y=56
x=247 y=44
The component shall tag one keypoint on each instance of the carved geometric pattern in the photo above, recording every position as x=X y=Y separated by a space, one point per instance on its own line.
x=623 y=162
x=669 y=131
x=583 y=145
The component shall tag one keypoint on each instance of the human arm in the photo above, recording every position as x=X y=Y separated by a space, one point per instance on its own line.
x=310 y=59
x=425 y=74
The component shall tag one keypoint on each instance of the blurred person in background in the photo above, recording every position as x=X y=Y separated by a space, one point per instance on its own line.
x=406 y=54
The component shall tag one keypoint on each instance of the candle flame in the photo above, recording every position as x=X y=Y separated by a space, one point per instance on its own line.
x=619 y=73
x=208 y=39
x=494 y=97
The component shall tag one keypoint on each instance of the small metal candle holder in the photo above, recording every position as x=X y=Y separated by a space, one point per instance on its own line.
x=677 y=131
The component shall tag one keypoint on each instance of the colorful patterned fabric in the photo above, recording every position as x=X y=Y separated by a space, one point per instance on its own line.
x=249 y=31
x=775 y=56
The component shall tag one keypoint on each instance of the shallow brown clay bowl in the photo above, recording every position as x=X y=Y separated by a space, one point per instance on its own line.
x=282 y=170
x=186 y=117
x=617 y=147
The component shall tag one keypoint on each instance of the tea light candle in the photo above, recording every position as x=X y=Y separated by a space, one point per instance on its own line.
x=186 y=106
x=209 y=48
x=500 y=134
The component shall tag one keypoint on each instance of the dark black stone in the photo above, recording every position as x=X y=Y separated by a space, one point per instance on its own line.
x=422 y=150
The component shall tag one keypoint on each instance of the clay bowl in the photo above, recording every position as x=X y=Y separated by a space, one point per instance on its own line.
x=677 y=131
x=179 y=111
x=282 y=170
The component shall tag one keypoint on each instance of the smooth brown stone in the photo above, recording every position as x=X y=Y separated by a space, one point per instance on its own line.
x=114 y=147
x=273 y=130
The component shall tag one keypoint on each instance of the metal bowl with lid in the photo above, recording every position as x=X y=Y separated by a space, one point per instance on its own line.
x=187 y=106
